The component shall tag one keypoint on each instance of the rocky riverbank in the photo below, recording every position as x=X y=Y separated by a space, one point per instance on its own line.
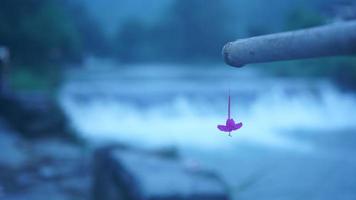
x=41 y=157
x=43 y=168
x=59 y=169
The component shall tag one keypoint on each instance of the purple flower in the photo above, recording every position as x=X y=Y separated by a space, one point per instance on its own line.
x=230 y=123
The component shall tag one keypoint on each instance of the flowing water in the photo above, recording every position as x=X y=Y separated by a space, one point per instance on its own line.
x=297 y=140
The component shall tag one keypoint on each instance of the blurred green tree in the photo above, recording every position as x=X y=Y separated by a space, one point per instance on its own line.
x=43 y=35
x=38 y=31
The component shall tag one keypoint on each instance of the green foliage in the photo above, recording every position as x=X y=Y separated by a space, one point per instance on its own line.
x=25 y=79
x=44 y=35
x=38 y=31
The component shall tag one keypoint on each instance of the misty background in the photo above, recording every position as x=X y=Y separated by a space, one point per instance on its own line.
x=149 y=75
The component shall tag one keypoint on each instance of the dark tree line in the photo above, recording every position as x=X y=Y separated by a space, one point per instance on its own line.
x=38 y=32
x=189 y=31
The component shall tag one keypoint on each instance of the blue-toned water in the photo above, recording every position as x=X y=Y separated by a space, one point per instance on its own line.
x=297 y=142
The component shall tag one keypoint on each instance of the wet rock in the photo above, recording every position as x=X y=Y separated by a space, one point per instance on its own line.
x=11 y=155
x=138 y=175
x=42 y=168
x=35 y=115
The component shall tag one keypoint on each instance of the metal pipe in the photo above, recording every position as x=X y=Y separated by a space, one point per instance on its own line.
x=329 y=40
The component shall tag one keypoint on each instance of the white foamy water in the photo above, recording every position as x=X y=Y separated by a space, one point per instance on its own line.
x=182 y=105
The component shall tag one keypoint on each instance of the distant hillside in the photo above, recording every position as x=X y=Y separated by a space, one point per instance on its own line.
x=112 y=13
x=270 y=16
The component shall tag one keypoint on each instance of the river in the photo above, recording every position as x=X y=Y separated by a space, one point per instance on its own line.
x=297 y=140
